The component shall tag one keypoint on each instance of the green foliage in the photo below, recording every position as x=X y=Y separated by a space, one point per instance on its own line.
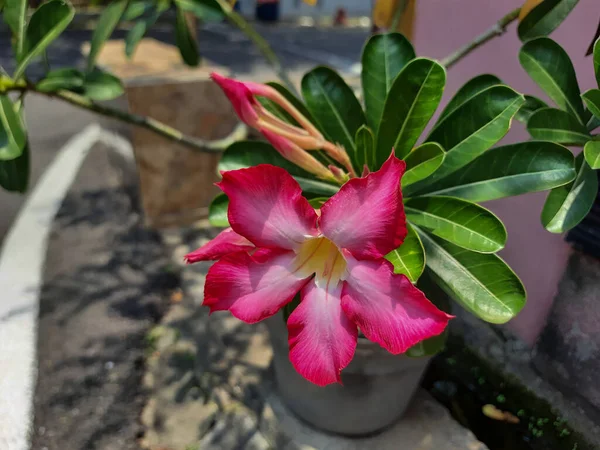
x=531 y=105
x=207 y=10
x=185 y=38
x=383 y=57
x=108 y=21
x=14 y=173
x=12 y=132
x=152 y=13
x=422 y=161
x=556 y=125
x=592 y=101
x=591 y=152
x=217 y=212
x=409 y=258
x=365 y=148
x=412 y=100
x=545 y=18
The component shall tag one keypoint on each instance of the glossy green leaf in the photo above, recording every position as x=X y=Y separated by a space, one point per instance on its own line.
x=597 y=61
x=141 y=27
x=412 y=100
x=185 y=39
x=108 y=21
x=508 y=171
x=334 y=106
x=55 y=80
x=463 y=223
x=14 y=174
x=422 y=161
x=470 y=89
x=15 y=16
x=251 y=153
x=592 y=154
x=365 y=148
x=207 y=10
x=567 y=205
x=550 y=67
x=544 y=18
x=383 y=57
x=217 y=211
x=551 y=124
x=531 y=105
x=481 y=283
x=593 y=123
x=45 y=25
x=592 y=101
x=99 y=85
x=409 y=258
x=473 y=128
x=12 y=133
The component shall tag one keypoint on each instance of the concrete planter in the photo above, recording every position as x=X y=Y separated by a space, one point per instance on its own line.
x=378 y=387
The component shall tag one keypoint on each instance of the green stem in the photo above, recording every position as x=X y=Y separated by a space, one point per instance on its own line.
x=160 y=128
x=496 y=30
x=260 y=42
x=398 y=15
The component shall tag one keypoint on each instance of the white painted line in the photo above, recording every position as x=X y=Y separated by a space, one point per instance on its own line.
x=21 y=276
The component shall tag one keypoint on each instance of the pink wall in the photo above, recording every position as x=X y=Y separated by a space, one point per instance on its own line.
x=537 y=256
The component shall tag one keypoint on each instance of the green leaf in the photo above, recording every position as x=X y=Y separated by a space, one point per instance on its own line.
x=550 y=67
x=14 y=174
x=244 y=154
x=15 y=16
x=412 y=100
x=481 y=283
x=12 y=133
x=473 y=128
x=137 y=8
x=334 y=106
x=592 y=101
x=365 y=148
x=597 y=61
x=317 y=202
x=207 y=10
x=469 y=90
x=186 y=40
x=383 y=57
x=422 y=162
x=508 y=171
x=592 y=154
x=108 y=21
x=99 y=85
x=45 y=25
x=217 y=211
x=140 y=28
x=544 y=18
x=567 y=205
x=409 y=258
x=556 y=125
x=68 y=79
x=531 y=105
x=463 y=223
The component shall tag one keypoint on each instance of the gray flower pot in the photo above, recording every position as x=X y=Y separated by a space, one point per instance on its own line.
x=377 y=389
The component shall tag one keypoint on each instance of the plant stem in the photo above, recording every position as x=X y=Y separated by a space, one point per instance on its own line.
x=496 y=30
x=160 y=128
x=260 y=42
x=398 y=15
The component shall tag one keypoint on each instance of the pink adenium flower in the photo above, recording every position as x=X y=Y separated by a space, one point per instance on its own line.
x=305 y=136
x=278 y=245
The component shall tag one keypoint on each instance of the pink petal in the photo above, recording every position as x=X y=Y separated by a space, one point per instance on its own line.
x=266 y=206
x=387 y=308
x=252 y=288
x=227 y=241
x=241 y=98
x=322 y=340
x=366 y=216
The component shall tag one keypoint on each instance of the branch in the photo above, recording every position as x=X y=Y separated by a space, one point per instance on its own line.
x=214 y=146
x=497 y=30
x=260 y=42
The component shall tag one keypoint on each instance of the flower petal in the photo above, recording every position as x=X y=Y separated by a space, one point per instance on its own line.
x=252 y=288
x=266 y=206
x=387 y=308
x=227 y=241
x=241 y=98
x=322 y=340
x=366 y=216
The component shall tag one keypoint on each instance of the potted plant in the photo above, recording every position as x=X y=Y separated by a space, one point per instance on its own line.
x=333 y=222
